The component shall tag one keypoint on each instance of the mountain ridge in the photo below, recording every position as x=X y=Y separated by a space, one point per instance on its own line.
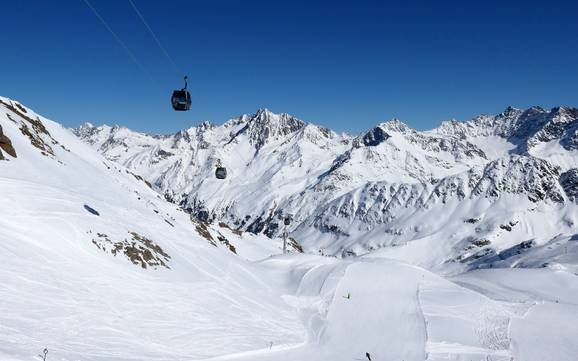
x=331 y=183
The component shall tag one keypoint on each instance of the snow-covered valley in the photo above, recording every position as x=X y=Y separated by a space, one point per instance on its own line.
x=436 y=245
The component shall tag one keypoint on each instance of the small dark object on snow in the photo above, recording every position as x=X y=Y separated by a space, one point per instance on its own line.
x=368 y=356
x=287 y=220
x=91 y=210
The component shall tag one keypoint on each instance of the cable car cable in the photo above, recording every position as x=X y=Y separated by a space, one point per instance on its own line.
x=180 y=99
x=118 y=39
x=154 y=36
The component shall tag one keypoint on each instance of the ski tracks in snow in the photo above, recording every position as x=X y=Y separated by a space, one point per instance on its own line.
x=492 y=326
x=462 y=324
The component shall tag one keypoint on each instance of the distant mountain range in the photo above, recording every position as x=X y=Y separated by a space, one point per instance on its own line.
x=479 y=188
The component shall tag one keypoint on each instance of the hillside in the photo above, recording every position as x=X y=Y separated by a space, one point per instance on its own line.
x=96 y=265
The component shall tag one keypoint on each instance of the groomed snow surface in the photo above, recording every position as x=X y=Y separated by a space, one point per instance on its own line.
x=61 y=286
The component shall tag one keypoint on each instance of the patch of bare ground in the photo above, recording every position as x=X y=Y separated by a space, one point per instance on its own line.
x=140 y=178
x=203 y=231
x=292 y=242
x=6 y=145
x=238 y=232
x=139 y=250
x=33 y=129
x=226 y=243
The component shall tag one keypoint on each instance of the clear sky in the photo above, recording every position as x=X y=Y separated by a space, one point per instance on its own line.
x=345 y=65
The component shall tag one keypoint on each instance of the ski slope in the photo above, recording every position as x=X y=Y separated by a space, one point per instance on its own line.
x=396 y=311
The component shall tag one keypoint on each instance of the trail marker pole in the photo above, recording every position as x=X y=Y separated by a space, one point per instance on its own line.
x=286 y=222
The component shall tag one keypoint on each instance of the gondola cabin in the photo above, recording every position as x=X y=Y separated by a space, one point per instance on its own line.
x=181 y=100
x=221 y=173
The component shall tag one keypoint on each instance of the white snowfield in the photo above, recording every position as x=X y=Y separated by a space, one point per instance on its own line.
x=96 y=266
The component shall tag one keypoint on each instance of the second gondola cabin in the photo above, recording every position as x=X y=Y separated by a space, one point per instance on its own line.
x=221 y=173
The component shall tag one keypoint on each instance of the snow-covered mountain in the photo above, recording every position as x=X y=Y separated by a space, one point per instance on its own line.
x=98 y=266
x=387 y=187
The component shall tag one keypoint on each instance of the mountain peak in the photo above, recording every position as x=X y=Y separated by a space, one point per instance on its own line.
x=265 y=125
x=265 y=115
x=565 y=110
x=535 y=109
x=375 y=136
x=84 y=130
x=263 y=111
x=395 y=125
x=510 y=111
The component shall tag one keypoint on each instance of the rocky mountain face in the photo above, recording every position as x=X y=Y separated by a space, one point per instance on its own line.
x=6 y=145
x=390 y=186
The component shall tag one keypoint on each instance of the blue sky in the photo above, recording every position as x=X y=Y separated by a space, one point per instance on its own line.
x=347 y=66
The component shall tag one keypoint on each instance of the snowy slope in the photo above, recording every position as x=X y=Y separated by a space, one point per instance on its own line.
x=97 y=266
x=395 y=311
x=72 y=225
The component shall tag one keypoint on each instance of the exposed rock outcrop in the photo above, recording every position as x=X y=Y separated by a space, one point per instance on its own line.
x=6 y=145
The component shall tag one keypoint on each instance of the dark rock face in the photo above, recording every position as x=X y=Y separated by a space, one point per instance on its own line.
x=569 y=182
x=265 y=125
x=375 y=137
x=6 y=145
x=535 y=177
